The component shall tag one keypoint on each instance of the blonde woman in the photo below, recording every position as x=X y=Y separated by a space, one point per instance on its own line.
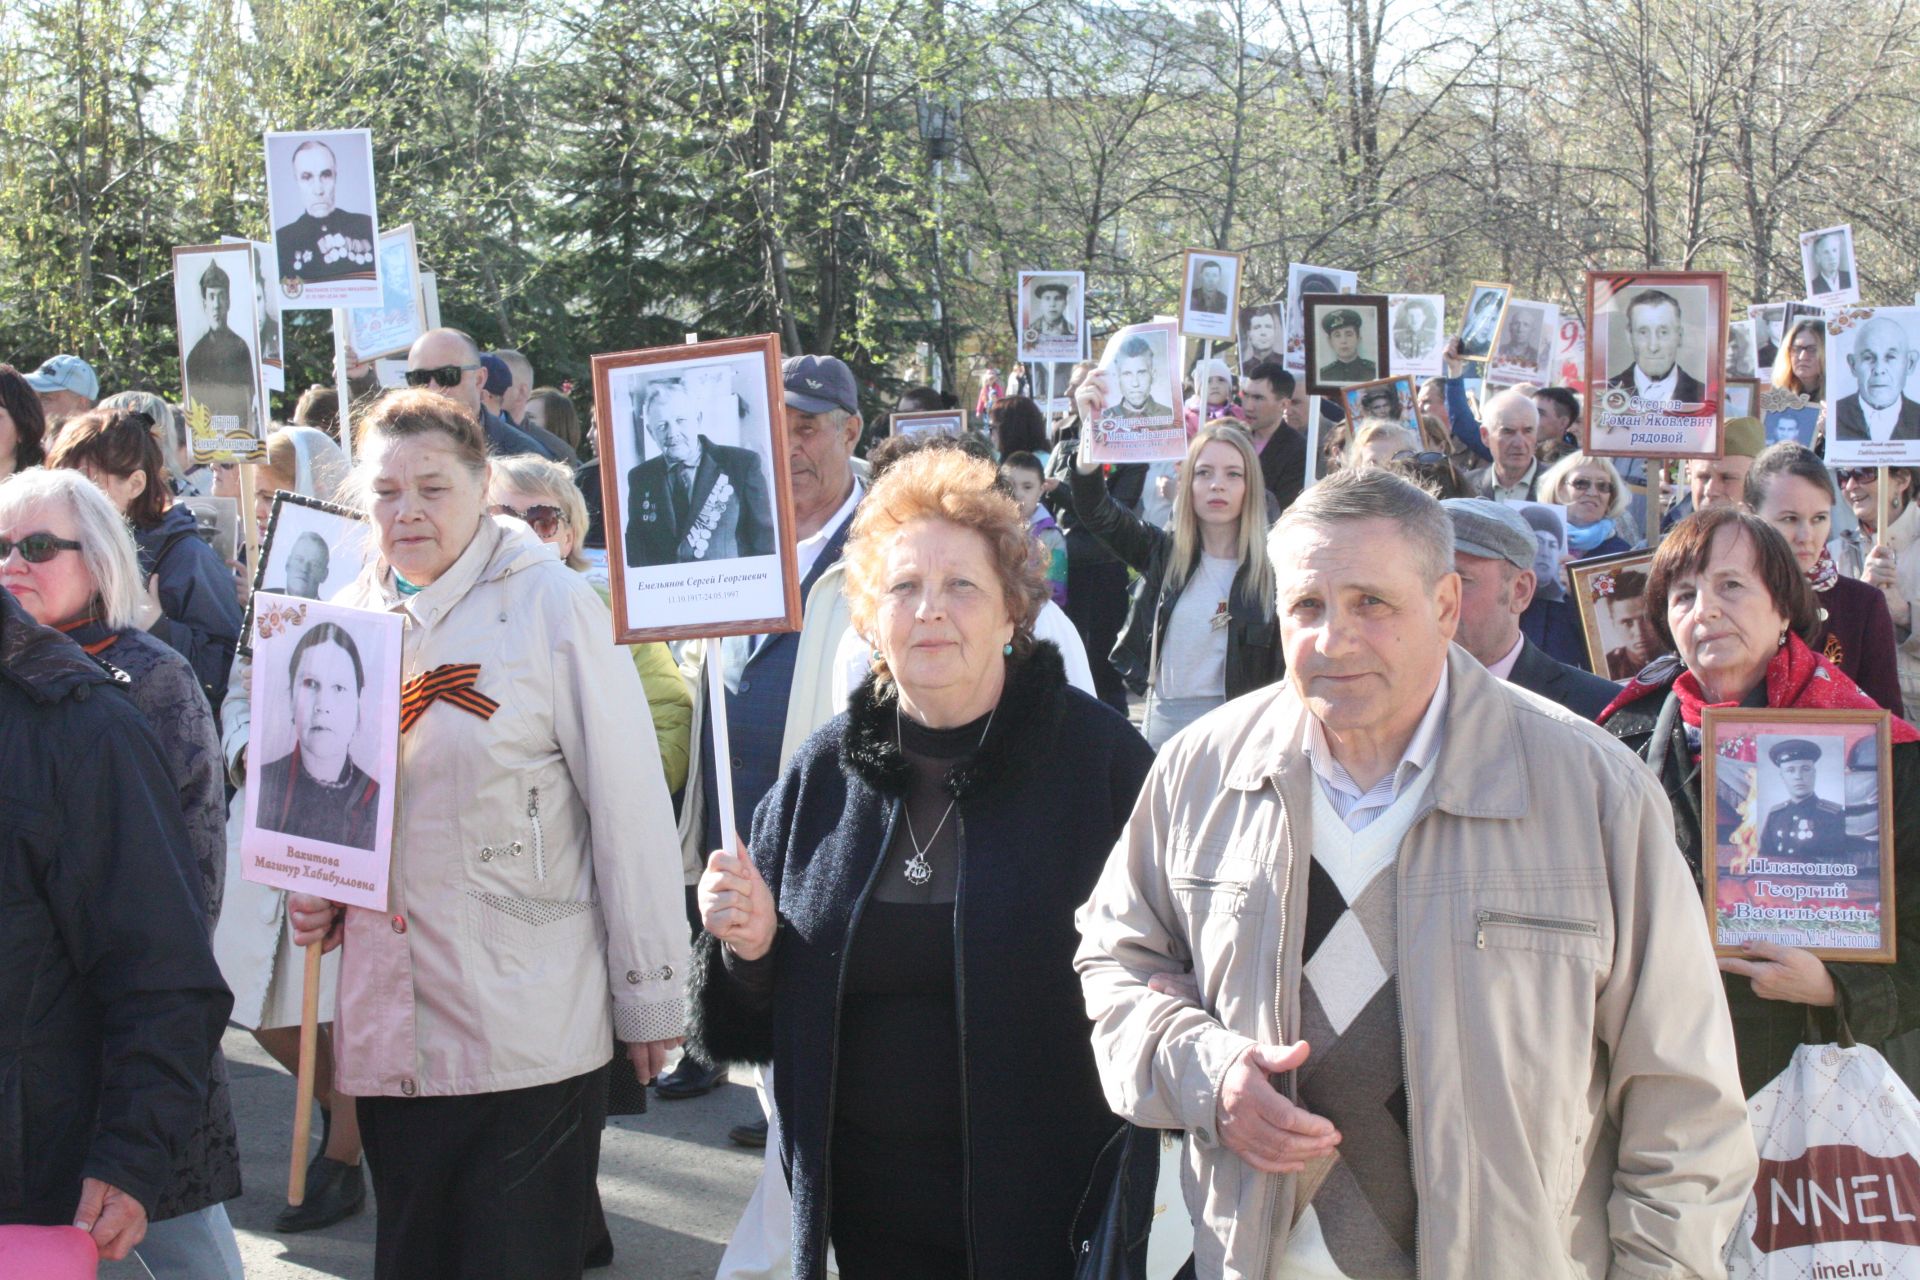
x=1378 y=441
x=1201 y=623
x=1596 y=501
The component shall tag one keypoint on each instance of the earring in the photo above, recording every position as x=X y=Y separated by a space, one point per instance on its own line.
x=1006 y=651
x=1782 y=642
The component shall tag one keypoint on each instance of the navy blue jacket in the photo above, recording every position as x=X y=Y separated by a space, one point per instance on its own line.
x=200 y=614
x=1580 y=692
x=1040 y=807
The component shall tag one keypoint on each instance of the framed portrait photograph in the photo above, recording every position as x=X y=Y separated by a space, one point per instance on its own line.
x=1418 y=322
x=1142 y=421
x=1826 y=262
x=325 y=748
x=1053 y=315
x=326 y=231
x=1302 y=280
x=929 y=422
x=1611 y=592
x=266 y=310
x=1209 y=294
x=1551 y=542
x=1480 y=323
x=1786 y=414
x=1656 y=363
x=698 y=499
x=1570 y=360
x=1743 y=398
x=1771 y=320
x=1262 y=335
x=1388 y=398
x=217 y=521
x=219 y=351
x=1798 y=818
x=390 y=328
x=1873 y=419
x=313 y=550
x=1524 y=349
x=1346 y=339
x=1050 y=380
x=1743 y=354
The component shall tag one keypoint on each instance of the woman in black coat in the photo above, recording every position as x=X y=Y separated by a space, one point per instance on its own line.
x=900 y=945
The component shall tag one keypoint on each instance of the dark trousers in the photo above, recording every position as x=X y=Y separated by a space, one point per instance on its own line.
x=489 y=1186
x=1097 y=604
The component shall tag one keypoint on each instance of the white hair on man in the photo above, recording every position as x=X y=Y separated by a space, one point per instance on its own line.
x=106 y=543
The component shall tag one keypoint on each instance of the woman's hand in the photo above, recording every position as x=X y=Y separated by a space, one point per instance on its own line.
x=1882 y=570
x=735 y=904
x=242 y=583
x=314 y=920
x=147 y=611
x=1783 y=973
x=649 y=1059
x=113 y=1218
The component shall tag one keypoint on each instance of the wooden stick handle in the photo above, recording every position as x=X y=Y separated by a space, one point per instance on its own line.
x=303 y=1084
x=1656 y=475
x=1882 y=507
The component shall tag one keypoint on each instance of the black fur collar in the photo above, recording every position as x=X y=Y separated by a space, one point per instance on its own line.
x=870 y=752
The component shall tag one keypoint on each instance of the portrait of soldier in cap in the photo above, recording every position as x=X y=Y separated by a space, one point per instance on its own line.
x=1048 y=316
x=219 y=368
x=326 y=242
x=1805 y=827
x=1342 y=361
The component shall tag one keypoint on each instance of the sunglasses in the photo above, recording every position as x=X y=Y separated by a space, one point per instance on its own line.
x=1429 y=458
x=544 y=520
x=36 y=548
x=1856 y=475
x=1583 y=485
x=447 y=375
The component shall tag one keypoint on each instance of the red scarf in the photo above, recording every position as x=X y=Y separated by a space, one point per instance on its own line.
x=1797 y=679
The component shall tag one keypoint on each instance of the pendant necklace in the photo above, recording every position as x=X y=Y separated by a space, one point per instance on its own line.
x=917 y=869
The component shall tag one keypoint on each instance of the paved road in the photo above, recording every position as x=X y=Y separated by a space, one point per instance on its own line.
x=672 y=1184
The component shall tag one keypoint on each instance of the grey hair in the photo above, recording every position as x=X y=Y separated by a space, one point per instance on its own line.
x=530 y=473
x=1490 y=412
x=1373 y=493
x=1552 y=478
x=106 y=543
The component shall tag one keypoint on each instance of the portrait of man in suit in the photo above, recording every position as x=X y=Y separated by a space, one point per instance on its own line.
x=1133 y=370
x=1655 y=332
x=1882 y=360
x=694 y=500
x=1207 y=294
x=1827 y=264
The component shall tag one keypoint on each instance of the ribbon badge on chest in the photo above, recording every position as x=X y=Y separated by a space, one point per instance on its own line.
x=453 y=683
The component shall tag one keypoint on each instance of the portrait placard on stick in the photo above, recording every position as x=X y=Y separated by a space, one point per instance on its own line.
x=324 y=752
x=928 y=422
x=390 y=328
x=219 y=358
x=1141 y=422
x=1209 y=293
x=1524 y=349
x=1053 y=316
x=1797 y=817
x=1419 y=324
x=1826 y=262
x=326 y=230
x=1656 y=363
x=1261 y=335
x=698 y=501
x=313 y=550
x=1873 y=419
x=1346 y=340
x=1480 y=324
x=1302 y=280
x=1611 y=592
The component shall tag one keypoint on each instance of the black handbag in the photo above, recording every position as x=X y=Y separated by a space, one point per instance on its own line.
x=1116 y=1211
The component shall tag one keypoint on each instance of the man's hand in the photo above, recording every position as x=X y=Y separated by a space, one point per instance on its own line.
x=735 y=904
x=649 y=1059
x=1453 y=360
x=1263 y=1126
x=1783 y=973
x=114 y=1219
x=314 y=920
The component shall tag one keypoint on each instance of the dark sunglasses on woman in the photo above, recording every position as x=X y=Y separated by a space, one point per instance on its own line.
x=36 y=548
x=1856 y=475
x=545 y=520
x=446 y=375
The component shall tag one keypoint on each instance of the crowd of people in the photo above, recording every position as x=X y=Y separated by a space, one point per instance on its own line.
x=1267 y=796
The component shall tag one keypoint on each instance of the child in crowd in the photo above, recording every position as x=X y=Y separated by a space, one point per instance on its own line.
x=1026 y=478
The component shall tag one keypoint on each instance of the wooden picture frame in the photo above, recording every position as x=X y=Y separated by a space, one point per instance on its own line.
x=335 y=524
x=1618 y=422
x=1196 y=322
x=1742 y=398
x=1369 y=362
x=726 y=566
x=1819 y=863
x=1621 y=641
x=926 y=422
x=1400 y=384
x=1478 y=327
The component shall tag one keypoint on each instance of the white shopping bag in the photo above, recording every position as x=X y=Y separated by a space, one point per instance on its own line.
x=1839 y=1188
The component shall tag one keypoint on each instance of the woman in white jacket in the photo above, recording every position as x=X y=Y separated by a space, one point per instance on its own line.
x=534 y=911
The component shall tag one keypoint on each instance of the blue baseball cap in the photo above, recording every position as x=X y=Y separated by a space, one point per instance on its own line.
x=499 y=377
x=66 y=373
x=819 y=384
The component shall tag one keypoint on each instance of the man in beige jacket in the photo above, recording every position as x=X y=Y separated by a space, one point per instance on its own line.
x=1411 y=954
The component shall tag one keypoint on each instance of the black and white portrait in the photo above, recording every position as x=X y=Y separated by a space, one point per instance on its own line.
x=326 y=235
x=1524 y=348
x=1826 y=260
x=266 y=311
x=1657 y=363
x=1052 y=318
x=1139 y=422
x=1742 y=351
x=1210 y=294
x=1480 y=325
x=324 y=748
x=1345 y=334
x=219 y=365
x=217 y=521
x=1801 y=806
x=1262 y=335
x=1302 y=280
x=1418 y=322
x=1874 y=415
x=390 y=328
x=694 y=479
x=313 y=550
x=1549 y=524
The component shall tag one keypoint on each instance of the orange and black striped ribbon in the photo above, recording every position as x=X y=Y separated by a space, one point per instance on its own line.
x=454 y=683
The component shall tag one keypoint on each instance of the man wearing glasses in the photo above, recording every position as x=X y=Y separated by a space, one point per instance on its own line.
x=447 y=361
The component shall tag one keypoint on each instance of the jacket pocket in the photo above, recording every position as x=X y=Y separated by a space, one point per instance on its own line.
x=533 y=924
x=1530 y=932
x=1209 y=895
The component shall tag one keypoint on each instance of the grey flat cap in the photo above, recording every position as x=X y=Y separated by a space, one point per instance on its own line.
x=1491 y=530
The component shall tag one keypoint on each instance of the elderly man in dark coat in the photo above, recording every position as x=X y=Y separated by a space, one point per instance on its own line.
x=694 y=499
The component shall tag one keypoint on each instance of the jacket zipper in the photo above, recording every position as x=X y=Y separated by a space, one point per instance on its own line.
x=839 y=1000
x=1400 y=1008
x=960 y=1020
x=539 y=836
x=1584 y=928
x=1279 y=1004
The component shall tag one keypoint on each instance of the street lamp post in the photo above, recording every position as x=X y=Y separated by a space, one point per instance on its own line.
x=940 y=131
